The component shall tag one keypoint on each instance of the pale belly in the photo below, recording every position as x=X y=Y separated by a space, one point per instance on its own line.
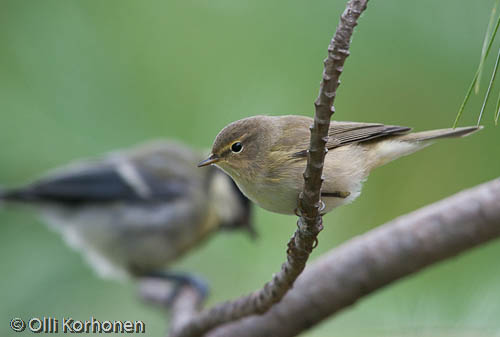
x=277 y=199
x=272 y=197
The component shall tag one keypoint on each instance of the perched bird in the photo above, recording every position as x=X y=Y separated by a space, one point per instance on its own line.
x=134 y=211
x=266 y=156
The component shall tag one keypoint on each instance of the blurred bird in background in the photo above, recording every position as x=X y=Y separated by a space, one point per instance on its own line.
x=134 y=211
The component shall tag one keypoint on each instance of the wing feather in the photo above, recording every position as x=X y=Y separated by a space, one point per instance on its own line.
x=344 y=133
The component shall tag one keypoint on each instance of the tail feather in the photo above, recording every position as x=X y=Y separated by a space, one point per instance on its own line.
x=17 y=195
x=12 y=195
x=392 y=148
x=440 y=133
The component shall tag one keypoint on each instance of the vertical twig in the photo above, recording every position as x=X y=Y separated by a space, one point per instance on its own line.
x=377 y=258
x=310 y=222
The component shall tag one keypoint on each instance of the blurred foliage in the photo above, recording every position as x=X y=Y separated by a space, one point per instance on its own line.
x=80 y=78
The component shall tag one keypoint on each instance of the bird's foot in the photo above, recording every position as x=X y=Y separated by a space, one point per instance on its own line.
x=336 y=194
x=180 y=280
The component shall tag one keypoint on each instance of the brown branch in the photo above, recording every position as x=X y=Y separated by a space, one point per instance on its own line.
x=184 y=303
x=310 y=223
x=371 y=261
x=338 y=50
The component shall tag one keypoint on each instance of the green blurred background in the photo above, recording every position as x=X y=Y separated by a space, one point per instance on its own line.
x=79 y=78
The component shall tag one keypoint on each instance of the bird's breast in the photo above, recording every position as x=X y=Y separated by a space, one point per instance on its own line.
x=273 y=194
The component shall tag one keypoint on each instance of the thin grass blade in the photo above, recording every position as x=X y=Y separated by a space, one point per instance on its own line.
x=471 y=87
x=485 y=45
x=497 y=109
x=489 y=87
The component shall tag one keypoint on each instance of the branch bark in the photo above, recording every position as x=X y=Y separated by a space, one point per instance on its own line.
x=183 y=303
x=371 y=261
x=309 y=224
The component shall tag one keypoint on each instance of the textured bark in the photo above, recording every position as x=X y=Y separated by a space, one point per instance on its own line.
x=183 y=303
x=309 y=206
x=373 y=260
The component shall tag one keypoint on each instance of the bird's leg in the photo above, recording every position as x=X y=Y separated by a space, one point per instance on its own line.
x=336 y=194
x=180 y=280
x=297 y=212
x=322 y=208
x=297 y=209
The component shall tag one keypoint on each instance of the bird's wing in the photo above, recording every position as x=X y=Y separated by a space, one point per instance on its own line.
x=98 y=184
x=344 y=133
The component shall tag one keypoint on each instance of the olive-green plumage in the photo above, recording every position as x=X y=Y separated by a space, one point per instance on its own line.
x=266 y=156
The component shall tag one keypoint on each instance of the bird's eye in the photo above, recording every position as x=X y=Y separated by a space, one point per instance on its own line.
x=236 y=147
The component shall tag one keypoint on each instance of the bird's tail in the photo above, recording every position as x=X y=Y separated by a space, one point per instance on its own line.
x=12 y=195
x=392 y=148
x=8 y=195
x=440 y=133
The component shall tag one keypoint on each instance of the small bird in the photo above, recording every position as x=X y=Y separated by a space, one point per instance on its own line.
x=134 y=211
x=266 y=157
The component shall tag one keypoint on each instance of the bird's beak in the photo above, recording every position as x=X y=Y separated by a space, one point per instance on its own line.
x=210 y=160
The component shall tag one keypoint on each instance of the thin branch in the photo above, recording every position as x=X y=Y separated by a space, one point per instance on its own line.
x=310 y=222
x=186 y=304
x=183 y=302
x=369 y=262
